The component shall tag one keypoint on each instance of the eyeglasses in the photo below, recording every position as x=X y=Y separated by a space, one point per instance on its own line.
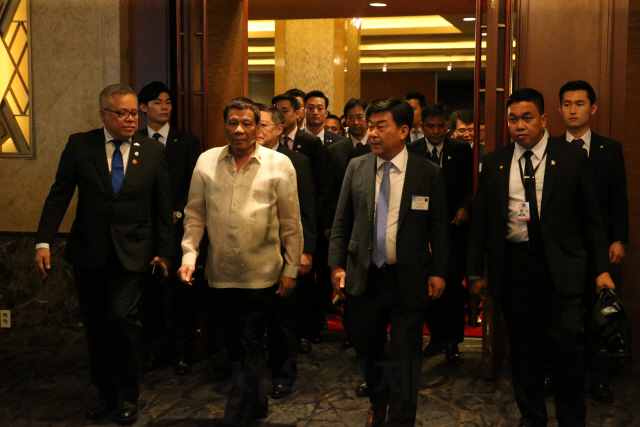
x=124 y=114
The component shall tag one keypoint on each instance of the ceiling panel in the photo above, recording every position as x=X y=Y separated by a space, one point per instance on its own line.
x=307 y=9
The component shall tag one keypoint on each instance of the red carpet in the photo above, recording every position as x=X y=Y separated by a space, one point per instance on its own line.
x=335 y=324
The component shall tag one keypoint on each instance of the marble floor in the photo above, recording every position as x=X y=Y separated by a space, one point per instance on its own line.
x=49 y=387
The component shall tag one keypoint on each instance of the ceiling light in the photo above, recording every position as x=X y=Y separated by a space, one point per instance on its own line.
x=484 y=34
x=356 y=22
x=377 y=4
x=384 y=67
x=469 y=19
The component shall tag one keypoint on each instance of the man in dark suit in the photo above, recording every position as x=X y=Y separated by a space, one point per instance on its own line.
x=445 y=317
x=311 y=312
x=122 y=228
x=283 y=317
x=316 y=106
x=417 y=102
x=388 y=253
x=354 y=112
x=169 y=301
x=299 y=95
x=577 y=105
x=541 y=264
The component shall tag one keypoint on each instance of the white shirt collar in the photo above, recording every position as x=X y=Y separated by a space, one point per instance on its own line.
x=430 y=146
x=292 y=135
x=538 y=150
x=586 y=138
x=108 y=137
x=399 y=161
x=363 y=142
x=164 y=131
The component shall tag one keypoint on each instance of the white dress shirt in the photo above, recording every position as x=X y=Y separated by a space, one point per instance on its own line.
x=416 y=134
x=249 y=214
x=110 y=148
x=396 y=178
x=439 y=147
x=320 y=135
x=586 y=138
x=292 y=137
x=364 y=141
x=517 y=230
x=164 y=133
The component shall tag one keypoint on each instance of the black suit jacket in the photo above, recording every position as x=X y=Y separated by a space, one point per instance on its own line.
x=306 y=196
x=572 y=229
x=457 y=166
x=418 y=230
x=322 y=167
x=607 y=166
x=137 y=222
x=331 y=138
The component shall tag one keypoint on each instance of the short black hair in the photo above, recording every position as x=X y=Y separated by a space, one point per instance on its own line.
x=295 y=92
x=434 y=110
x=527 y=94
x=465 y=116
x=242 y=103
x=152 y=91
x=353 y=103
x=400 y=110
x=295 y=104
x=416 y=95
x=317 y=94
x=276 y=115
x=579 y=85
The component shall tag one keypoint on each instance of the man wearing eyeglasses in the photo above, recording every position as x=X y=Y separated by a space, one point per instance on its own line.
x=122 y=229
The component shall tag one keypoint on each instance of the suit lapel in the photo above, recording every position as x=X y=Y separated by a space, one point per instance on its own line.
x=504 y=171
x=99 y=153
x=133 y=162
x=595 y=151
x=446 y=154
x=550 y=172
x=369 y=183
x=410 y=187
x=172 y=140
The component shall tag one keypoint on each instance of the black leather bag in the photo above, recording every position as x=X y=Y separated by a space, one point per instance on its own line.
x=610 y=337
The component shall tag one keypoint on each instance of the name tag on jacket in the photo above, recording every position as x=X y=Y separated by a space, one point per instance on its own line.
x=420 y=203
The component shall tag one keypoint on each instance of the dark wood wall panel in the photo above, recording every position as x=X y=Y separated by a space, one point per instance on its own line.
x=629 y=289
x=376 y=85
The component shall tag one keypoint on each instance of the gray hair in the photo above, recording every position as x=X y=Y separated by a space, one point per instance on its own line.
x=276 y=115
x=116 y=89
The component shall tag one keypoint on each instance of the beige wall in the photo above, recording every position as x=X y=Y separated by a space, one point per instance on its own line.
x=75 y=48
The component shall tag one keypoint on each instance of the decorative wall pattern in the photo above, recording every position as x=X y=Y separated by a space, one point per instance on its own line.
x=352 y=61
x=15 y=105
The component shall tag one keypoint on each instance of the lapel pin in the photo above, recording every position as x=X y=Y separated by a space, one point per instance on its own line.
x=448 y=157
x=501 y=167
x=601 y=146
x=136 y=144
x=553 y=162
x=136 y=153
x=135 y=161
x=298 y=146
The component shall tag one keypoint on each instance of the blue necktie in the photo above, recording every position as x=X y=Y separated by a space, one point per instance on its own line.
x=117 y=167
x=379 y=255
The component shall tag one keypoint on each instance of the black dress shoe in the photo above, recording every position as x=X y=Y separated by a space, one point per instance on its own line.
x=280 y=391
x=347 y=343
x=433 y=349
x=103 y=410
x=303 y=346
x=127 y=413
x=452 y=355
x=362 y=390
x=183 y=367
x=548 y=386
x=316 y=338
x=601 y=392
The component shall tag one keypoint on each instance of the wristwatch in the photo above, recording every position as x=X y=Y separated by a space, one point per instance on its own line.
x=621 y=244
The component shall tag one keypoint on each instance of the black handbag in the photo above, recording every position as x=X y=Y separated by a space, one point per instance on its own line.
x=610 y=335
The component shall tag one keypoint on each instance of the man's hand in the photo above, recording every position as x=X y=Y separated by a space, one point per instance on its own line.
x=43 y=261
x=306 y=262
x=616 y=253
x=327 y=233
x=436 y=286
x=338 y=276
x=185 y=273
x=604 y=281
x=286 y=286
x=163 y=262
x=461 y=216
x=476 y=287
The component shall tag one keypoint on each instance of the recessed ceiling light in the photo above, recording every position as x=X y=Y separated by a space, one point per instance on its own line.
x=469 y=19
x=484 y=34
x=377 y=4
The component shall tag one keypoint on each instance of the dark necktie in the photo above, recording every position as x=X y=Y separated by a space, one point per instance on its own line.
x=434 y=156
x=533 y=225
x=379 y=253
x=117 y=167
x=359 y=144
x=157 y=136
x=578 y=142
